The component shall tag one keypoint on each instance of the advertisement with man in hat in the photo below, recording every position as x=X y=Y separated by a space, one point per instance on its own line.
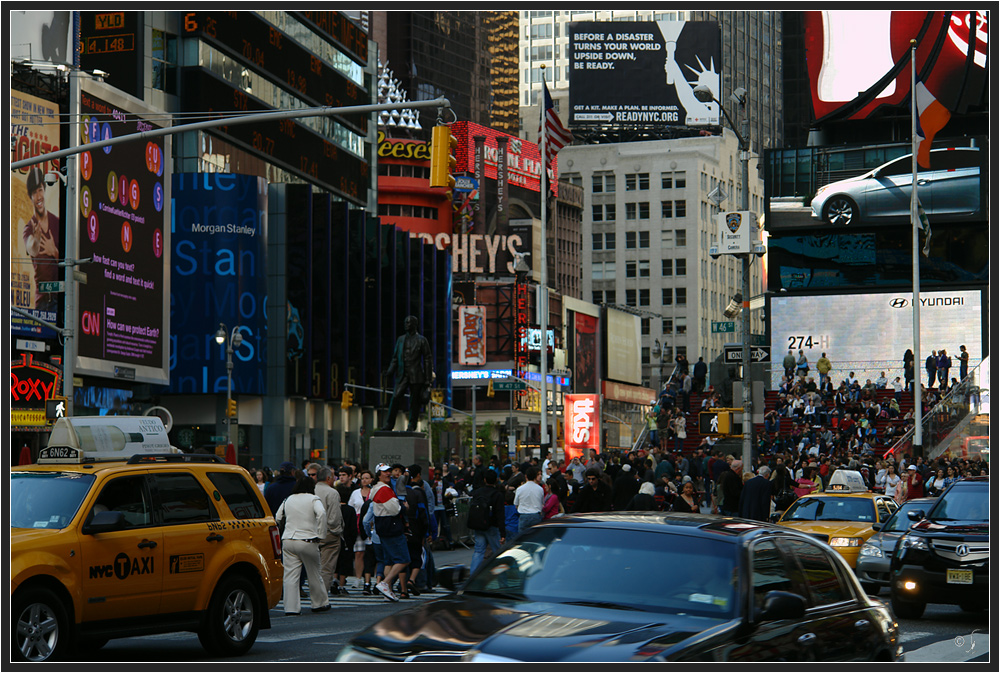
x=34 y=211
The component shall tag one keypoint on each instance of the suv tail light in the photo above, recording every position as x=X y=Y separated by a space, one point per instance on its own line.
x=275 y=540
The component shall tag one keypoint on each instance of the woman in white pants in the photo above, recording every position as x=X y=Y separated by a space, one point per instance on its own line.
x=305 y=525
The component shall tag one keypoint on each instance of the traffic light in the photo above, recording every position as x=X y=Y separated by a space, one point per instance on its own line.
x=489 y=389
x=715 y=422
x=443 y=163
x=231 y=408
x=346 y=400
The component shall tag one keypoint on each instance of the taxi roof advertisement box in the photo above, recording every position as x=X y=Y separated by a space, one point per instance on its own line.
x=643 y=73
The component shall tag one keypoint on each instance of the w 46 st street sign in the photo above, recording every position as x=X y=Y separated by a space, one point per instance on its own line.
x=734 y=354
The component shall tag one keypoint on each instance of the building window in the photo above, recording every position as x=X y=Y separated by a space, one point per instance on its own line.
x=667 y=326
x=637 y=211
x=666 y=209
x=681 y=235
x=667 y=238
x=602 y=182
x=645 y=326
x=668 y=296
x=644 y=268
x=598 y=241
x=681 y=324
x=681 y=266
x=609 y=241
x=682 y=351
x=629 y=236
x=598 y=296
x=164 y=61
x=667 y=267
x=609 y=297
x=680 y=208
x=636 y=182
x=682 y=296
x=643 y=239
x=630 y=269
x=629 y=297
x=643 y=297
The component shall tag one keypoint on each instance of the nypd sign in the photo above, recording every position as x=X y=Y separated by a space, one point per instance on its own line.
x=739 y=233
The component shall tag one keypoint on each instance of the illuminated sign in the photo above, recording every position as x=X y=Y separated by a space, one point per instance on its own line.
x=486 y=374
x=394 y=148
x=522 y=319
x=476 y=253
x=582 y=423
x=880 y=329
x=124 y=197
x=31 y=385
x=472 y=335
x=524 y=161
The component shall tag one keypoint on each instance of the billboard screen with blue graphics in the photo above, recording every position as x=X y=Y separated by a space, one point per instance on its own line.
x=219 y=275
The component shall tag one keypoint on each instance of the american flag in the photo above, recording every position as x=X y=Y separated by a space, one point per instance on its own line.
x=557 y=136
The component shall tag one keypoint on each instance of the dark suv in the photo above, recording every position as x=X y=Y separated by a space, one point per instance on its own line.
x=945 y=558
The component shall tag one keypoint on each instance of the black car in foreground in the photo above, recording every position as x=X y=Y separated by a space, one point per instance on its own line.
x=945 y=557
x=645 y=586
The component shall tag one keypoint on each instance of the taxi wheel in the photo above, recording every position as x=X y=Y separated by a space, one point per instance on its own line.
x=40 y=629
x=233 y=620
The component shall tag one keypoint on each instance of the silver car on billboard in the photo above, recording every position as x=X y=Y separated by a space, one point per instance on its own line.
x=949 y=190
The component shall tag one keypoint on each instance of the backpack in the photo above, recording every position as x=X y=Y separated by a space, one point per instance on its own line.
x=479 y=511
x=361 y=518
x=350 y=524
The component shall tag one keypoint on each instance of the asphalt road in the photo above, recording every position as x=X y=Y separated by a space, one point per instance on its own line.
x=944 y=634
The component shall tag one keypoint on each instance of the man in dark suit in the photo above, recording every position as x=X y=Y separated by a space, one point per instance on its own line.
x=755 y=500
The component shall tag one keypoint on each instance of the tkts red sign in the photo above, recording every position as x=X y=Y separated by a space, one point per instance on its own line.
x=32 y=383
x=583 y=424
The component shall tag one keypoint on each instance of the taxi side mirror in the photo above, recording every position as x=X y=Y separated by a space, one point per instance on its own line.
x=915 y=515
x=877 y=527
x=105 y=522
x=780 y=605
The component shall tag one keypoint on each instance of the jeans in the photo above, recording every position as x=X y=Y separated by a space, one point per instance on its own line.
x=527 y=520
x=490 y=536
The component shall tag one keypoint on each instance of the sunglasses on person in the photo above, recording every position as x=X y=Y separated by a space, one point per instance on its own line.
x=312 y=474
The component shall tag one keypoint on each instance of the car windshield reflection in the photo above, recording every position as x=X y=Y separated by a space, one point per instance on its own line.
x=631 y=570
x=46 y=499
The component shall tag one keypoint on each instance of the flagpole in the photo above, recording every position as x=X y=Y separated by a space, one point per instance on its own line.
x=915 y=225
x=543 y=290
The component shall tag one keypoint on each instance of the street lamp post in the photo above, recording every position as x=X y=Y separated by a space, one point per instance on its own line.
x=232 y=341
x=704 y=94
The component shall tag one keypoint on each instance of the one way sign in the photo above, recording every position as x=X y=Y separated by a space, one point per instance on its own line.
x=734 y=354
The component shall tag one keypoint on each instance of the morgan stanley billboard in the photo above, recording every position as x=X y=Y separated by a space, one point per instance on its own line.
x=643 y=73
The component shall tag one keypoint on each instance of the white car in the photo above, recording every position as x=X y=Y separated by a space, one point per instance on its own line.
x=949 y=190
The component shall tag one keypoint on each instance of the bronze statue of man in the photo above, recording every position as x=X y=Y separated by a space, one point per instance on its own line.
x=411 y=363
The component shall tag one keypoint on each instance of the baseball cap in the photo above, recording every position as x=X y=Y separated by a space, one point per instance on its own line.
x=626 y=467
x=381 y=467
x=286 y=466
x=912 y=467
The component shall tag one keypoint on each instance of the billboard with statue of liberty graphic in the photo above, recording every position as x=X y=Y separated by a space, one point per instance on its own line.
x=643 y=73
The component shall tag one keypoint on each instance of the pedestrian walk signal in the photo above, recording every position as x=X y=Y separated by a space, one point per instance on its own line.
x=55 y=407
x=715 y=422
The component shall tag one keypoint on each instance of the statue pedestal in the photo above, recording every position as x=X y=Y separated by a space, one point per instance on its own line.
x=405 y=448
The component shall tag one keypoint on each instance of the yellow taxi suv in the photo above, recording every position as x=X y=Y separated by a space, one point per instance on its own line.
x=842 y=516
x=115 y=534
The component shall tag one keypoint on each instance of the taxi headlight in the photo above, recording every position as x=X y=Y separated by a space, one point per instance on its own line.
x=913 y=542
x=871 y=550
x=845 y=542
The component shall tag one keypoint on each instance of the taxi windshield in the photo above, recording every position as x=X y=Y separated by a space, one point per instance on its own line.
x=46 y=499
x=831 y=509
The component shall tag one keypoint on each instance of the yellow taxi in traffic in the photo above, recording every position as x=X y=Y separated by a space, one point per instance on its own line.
x=114 y=534
x=842 y=516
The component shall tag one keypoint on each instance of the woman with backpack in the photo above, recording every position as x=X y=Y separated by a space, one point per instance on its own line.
x=364 y=553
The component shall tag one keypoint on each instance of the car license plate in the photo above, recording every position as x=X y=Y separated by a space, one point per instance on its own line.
x=959 y=577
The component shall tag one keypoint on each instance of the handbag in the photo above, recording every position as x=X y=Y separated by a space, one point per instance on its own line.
x=389 y=526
